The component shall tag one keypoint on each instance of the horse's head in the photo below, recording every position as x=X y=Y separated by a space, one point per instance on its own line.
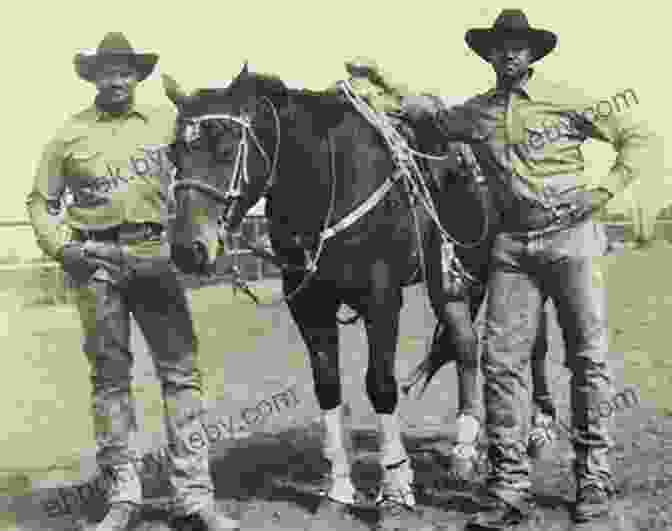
x=225 y=151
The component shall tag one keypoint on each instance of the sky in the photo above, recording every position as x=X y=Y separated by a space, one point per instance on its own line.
x=603 y=49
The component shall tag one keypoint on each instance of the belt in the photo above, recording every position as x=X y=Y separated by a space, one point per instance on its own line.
x=539 y=218
x=127 y=232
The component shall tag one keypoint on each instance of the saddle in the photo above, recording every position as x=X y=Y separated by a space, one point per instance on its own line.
x=390 y=116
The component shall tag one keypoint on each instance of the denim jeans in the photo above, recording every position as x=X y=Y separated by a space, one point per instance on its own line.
x=160 y=307
x=563 y=266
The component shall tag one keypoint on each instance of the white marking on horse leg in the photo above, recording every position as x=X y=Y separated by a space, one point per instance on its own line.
x=397 y=481
x=391 y=448
x=341 y=488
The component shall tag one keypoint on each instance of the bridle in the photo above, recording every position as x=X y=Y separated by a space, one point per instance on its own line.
x=239 y=176
x=193 y=131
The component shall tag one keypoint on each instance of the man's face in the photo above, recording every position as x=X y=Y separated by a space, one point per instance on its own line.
x=511 y=58
x=116 y=83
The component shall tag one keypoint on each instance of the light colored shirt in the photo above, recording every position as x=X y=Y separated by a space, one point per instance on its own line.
x=114 y=169
x=532 y=138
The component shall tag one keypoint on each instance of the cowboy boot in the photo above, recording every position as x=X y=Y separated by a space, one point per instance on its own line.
x=212 y=519
x=593 y=498
x=592 y=506
x=498 y=515
x=120 y=517
x=123 y=495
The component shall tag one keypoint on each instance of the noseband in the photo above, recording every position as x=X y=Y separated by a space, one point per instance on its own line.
x=240 y=173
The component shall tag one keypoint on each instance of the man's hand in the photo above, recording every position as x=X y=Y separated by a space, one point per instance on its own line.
x=362 y=67
x=417 y=106
x=107 y=252
x=593 y=200
x=74 y=261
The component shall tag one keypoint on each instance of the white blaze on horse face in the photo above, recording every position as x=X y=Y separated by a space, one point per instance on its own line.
x=212 y=247
x=203 y=228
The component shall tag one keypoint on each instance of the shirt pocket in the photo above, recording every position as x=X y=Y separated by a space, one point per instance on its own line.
x=551 y=129
x=83 y=164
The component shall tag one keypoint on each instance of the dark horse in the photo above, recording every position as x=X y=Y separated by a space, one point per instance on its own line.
x=321 y=165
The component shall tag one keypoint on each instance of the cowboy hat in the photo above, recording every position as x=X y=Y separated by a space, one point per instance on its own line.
x=511 y=23
x=114 y=47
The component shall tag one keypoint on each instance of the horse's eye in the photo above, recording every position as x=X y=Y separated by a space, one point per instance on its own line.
x=171 y=154
x=196 y=143
x=225 y=152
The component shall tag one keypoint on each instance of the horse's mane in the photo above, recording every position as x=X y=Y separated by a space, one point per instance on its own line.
x=325 y=109
x=328 y=107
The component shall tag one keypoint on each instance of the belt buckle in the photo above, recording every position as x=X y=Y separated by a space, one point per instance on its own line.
x=127 y=235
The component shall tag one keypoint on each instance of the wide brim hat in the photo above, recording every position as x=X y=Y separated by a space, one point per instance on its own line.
x=112 y=49
x=511 y=23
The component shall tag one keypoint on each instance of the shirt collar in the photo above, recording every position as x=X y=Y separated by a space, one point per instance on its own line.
x=521 y=90
x=133 y=111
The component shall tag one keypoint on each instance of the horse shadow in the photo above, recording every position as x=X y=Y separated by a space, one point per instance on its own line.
x=288 y=467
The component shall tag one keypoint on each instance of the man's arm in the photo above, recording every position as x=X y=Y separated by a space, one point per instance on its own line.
x=639 y=150
x=468 y=123
x=43 y=202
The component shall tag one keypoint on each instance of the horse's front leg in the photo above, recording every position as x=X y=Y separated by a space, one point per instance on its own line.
x=382 y=329
x=314 y=312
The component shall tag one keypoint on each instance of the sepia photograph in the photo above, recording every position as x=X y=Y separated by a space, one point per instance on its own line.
x=332 y=267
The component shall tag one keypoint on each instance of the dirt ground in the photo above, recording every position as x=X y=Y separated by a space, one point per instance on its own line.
x=271 y=476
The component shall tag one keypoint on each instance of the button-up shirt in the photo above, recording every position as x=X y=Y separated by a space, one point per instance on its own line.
x=114 y=168
x=529 y=139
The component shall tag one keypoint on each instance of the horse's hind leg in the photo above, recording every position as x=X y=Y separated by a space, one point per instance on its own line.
x=542 y=434
x=541 y=393
x=314 y=312
x=459 y=341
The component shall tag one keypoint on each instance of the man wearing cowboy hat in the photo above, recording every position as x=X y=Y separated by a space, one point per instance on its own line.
x=110 y=159
x=527 y=137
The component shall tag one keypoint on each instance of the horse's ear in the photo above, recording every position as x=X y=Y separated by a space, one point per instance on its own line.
x=175 y=93
x=246 y=68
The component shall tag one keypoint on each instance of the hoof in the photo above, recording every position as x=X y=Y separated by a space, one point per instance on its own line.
x=331 y=514
x=613 y=522
x=393 y=516
x=504 y=517
x=154 y=525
